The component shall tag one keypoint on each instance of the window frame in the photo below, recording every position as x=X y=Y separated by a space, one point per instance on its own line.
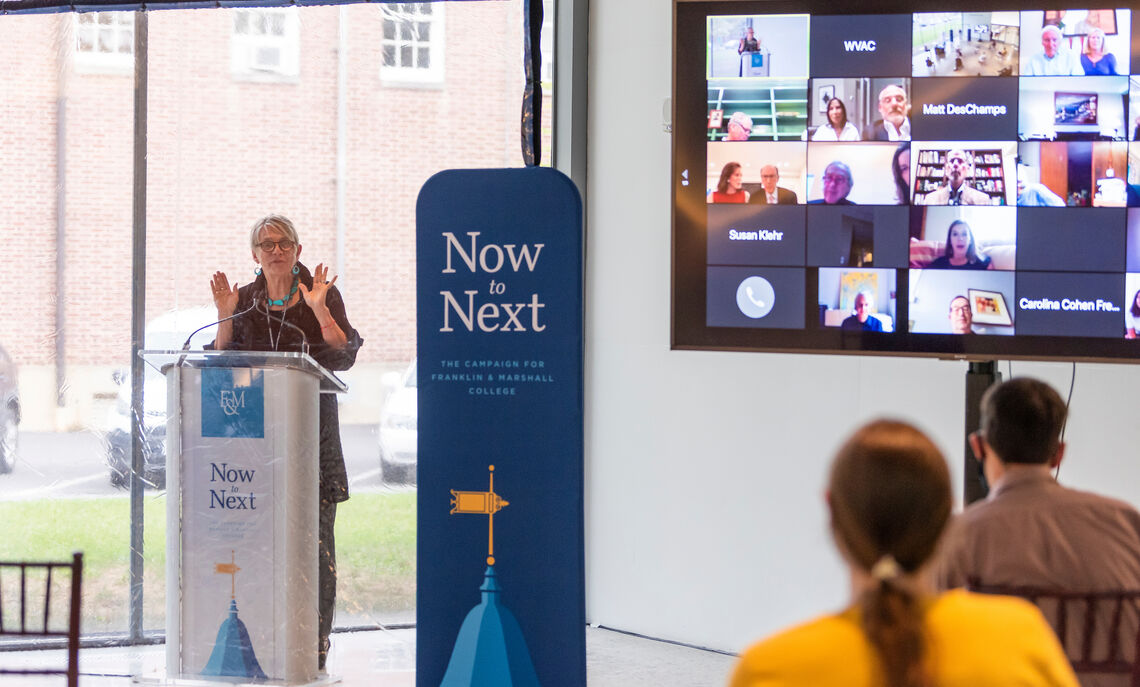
x=404 y=75
x=244 y=46
x=95 y=60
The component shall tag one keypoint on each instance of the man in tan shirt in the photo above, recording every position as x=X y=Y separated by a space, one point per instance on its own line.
x=1031 y=531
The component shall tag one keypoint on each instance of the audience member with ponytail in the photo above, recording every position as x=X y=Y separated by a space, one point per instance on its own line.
x=889 y=497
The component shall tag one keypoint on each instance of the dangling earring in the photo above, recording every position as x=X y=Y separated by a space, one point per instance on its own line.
x=296 y=269
x=258 y=271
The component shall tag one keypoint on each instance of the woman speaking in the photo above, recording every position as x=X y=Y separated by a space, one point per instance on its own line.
x=961 y=253
x=285 y=307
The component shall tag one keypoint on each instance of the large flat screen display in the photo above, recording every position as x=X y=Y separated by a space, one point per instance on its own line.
x=959 y=184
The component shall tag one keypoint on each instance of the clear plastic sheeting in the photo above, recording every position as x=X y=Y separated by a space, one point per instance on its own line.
x=331 y=116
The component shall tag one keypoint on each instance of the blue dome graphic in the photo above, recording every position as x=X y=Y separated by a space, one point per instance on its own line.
x=490 y=650
x=233 y=652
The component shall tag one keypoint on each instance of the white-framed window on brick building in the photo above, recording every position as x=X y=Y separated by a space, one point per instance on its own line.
x=412 y=44
x=265 y=43
x=105 y=40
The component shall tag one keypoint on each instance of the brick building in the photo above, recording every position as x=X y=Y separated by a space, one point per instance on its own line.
x=245 y=118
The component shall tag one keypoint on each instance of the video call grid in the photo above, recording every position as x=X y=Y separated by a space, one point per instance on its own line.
x=999 y=194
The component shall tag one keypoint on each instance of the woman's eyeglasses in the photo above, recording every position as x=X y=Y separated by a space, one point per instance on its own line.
x=285 y=245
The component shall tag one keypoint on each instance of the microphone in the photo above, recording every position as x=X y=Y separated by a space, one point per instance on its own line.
x=186 y=346
x=284 y=322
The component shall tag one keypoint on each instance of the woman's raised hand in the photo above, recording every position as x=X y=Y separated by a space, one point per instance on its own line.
x=225 y=296
x=315 y=297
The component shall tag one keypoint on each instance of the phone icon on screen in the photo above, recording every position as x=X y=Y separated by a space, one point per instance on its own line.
x=755 y=297
x=759 y=303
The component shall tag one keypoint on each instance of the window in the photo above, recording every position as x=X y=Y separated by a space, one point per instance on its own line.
x=546 y=43
x=265 y=43
x=412 y=46
x=105 y=40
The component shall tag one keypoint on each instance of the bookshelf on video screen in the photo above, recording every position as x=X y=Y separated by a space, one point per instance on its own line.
x=961 y=184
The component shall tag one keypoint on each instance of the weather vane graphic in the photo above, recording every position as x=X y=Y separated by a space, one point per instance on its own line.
x=490 y=648
x=233 y=653
x=481 y=503
x=230 y=569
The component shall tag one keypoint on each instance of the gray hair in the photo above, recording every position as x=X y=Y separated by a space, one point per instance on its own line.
x=742 y=119
x=842 y=167
x=1052 y=28
x=968 y=157
x=279 y=222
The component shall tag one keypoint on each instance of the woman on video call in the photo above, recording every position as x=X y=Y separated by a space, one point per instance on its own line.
x=961 y=253
x=730 y=187
x=1094 y=59
x=889 y=500
x=837 y=127
x=1132 y=331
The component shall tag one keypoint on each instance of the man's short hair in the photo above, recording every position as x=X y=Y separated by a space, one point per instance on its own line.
x=1022 y=420
x=842 y=167
x=891 y=85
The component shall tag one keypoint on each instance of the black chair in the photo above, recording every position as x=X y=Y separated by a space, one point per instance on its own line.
x=1088 y=636
x=14 y=613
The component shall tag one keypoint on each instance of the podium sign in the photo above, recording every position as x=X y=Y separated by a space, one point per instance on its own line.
x=242 y=475
x=500 y=572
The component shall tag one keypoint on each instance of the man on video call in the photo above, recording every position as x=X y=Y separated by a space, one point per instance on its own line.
x=895 y=124
x=739 y=127
x=771 y=194
x=837 y=183
x=957 y=191
x=1031 y=531
x=1054 y=59
x=863 y=320
x=961 y=318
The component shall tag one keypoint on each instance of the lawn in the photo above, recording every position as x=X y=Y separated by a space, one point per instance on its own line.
x=376 y=549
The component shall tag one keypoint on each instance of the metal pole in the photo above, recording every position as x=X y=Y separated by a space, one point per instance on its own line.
x=341 y=140
x=572 y=19
x=138 y=316
x=979 y=377
x=60 y=250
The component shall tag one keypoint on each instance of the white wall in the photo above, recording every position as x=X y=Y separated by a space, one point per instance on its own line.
x=705 y=471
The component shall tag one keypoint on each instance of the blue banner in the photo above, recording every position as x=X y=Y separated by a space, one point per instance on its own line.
x=500 y=571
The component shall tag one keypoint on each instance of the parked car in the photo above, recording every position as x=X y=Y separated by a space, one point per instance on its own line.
x=165 y=332
x=9 y=413
x=398 y=434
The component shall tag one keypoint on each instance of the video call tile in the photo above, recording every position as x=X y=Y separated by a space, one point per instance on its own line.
x=955 y=109
x=756 y=234
x=1070 y=304
x=1132 y=262
x=860 y=45
x=864 y=236
x=1071 y=239
x=962 y=302
x=762 y=297
x=842 y=290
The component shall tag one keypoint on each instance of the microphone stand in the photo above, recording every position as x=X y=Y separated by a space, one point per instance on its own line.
x=186 y=346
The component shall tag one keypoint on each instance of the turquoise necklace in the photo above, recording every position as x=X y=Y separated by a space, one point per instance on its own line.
x=283 y=301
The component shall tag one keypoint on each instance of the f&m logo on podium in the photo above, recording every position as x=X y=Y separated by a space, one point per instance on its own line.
x=233 y=402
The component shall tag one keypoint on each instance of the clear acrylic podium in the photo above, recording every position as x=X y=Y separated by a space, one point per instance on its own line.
x=241 y=545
